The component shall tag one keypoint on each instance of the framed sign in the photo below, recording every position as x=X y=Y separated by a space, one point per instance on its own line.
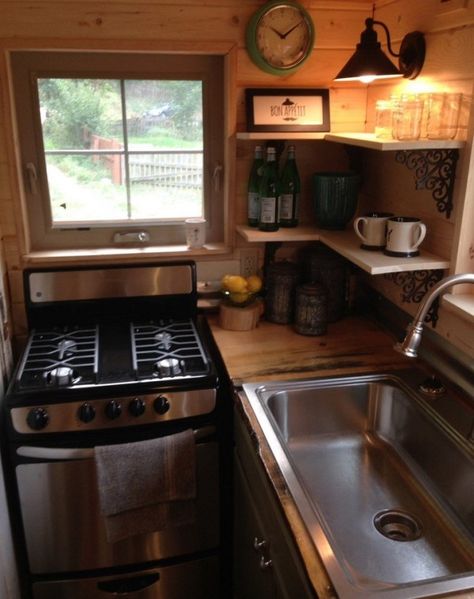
x=289 y=109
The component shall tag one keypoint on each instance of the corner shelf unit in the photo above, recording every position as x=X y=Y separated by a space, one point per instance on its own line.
x=368 y=140
x=347 y=244
x=280 y=135
x=361 y=140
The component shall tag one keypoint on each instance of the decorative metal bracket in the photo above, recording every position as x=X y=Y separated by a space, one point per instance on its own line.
x=415 y=285
x=434 y=170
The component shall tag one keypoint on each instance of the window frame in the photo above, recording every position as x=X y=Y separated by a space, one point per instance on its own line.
x=28 y=66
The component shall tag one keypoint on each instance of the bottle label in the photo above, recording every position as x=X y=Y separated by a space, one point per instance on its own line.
x=289 y=206
x=286 y=207
x=253 y=205
x=268 y=213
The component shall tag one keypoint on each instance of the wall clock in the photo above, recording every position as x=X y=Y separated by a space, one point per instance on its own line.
x=280 y=37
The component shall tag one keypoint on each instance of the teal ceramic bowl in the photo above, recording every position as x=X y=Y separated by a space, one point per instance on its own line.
x=334 y=198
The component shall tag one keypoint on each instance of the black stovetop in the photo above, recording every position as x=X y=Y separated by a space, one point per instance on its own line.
x=64 y=358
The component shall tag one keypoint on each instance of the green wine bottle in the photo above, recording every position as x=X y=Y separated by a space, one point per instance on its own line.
x=253 y=191
x=269 y=194
x=290 y=191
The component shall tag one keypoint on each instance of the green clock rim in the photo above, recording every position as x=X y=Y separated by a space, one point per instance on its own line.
x=252 y=43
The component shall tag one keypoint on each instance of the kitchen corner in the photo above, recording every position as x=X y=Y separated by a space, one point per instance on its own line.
x=353 y=345
x=272 y=353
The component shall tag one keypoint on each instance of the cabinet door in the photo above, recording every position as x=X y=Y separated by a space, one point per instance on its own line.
x=253 y=575
x=278 y=561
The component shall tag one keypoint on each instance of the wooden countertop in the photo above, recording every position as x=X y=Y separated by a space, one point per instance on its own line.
x=352 y=345
x=276 y=352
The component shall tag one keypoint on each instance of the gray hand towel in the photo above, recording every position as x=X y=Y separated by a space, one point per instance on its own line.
x=147 y=486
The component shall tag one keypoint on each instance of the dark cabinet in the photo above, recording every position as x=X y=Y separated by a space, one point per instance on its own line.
x=266 y=561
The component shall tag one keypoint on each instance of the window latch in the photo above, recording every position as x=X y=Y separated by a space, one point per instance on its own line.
x=32 y=178
x=132 y=237
x=216 y=177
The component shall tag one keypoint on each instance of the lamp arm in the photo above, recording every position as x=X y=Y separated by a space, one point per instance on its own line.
x=387 y=32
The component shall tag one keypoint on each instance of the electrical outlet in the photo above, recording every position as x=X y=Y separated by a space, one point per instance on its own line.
x=248 y=261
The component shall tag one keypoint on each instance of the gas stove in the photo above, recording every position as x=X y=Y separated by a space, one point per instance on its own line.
x=111 y=347
x=73 y=357
x=114 y=356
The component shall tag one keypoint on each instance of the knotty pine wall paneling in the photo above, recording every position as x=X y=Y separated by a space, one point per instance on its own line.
x=219 y=26
x=449 y=67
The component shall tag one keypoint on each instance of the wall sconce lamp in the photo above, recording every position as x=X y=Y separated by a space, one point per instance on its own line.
x=369 y=62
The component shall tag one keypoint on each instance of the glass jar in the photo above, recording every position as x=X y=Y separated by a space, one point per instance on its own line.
x=407 y=117
x=383 y=119
x=443 y=116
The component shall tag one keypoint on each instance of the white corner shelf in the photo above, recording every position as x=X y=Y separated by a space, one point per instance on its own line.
x=252 y=234
x=347 y=244
x=368 y=140
x=280 y=135
x=361 y=140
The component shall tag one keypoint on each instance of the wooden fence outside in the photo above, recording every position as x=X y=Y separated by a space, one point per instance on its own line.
x=181 y=169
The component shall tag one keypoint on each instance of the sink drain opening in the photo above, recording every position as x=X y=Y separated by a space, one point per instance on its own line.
x=397 y=525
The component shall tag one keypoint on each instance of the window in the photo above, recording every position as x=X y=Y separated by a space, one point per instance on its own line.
x=119 y=143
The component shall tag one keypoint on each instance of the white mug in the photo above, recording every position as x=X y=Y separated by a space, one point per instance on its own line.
x=195 y=232
x=374 y=229
x=404 y=235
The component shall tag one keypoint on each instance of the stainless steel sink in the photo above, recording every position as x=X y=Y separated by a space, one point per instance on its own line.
x=384 y=485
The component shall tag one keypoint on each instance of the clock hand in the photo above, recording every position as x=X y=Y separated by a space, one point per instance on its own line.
x=290 y=30
x=280 y=35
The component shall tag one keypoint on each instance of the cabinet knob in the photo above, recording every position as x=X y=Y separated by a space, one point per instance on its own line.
x=260 y=544
x=262 y=547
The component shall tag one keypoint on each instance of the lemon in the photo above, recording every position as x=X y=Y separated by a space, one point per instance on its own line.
x=236 y=284
x=224 y=281
x=254 y=283
x=239 y=298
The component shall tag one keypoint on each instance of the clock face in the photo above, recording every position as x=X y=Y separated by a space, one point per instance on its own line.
x=284 y=36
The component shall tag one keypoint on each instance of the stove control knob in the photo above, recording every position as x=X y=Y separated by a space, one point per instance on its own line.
x=86 y=413
x=161 y=404
x=136 y=407
x=113 y=409
x=37 y=418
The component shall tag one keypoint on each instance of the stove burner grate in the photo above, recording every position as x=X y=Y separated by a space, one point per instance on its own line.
x=167 y=349
x=59 y=351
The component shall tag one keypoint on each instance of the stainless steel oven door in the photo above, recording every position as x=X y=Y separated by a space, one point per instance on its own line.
x=197 y=579
x=64 y=529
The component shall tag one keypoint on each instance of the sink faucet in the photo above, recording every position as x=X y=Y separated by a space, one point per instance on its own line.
x=412 y=339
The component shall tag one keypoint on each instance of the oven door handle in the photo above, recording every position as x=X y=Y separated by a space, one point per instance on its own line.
x=125 y=586
x=84 y=453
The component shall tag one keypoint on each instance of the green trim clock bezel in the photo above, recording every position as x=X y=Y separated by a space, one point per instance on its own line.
x=251 y=37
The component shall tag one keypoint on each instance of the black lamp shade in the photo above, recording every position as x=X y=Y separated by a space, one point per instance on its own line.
x=368 y=62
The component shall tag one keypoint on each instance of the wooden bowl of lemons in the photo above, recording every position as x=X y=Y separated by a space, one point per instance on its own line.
x=240 y=291
x=241 y=308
